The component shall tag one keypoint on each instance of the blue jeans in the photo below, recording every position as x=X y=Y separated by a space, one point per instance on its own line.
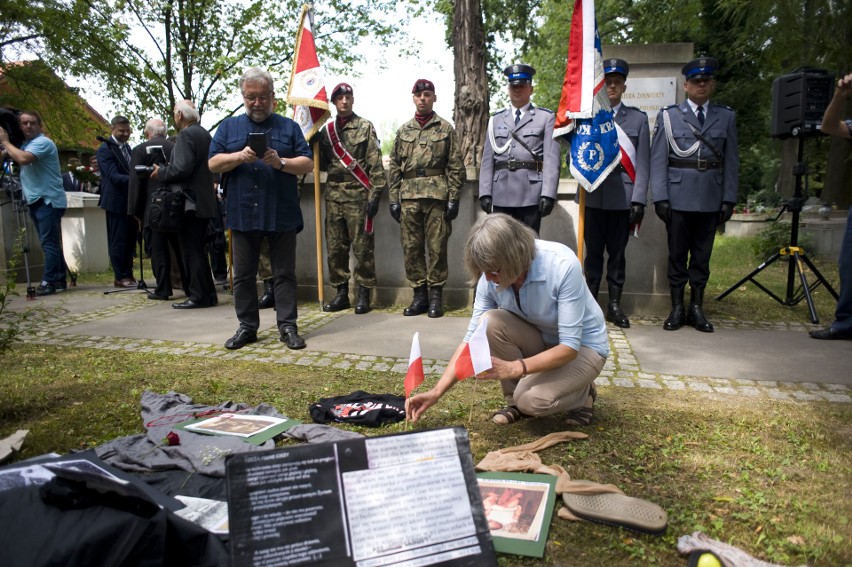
x=48 y=223
x=843 y=312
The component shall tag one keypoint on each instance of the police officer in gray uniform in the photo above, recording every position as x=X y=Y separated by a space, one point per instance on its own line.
x=520 y=160
x=618 y=203
x=694 y=179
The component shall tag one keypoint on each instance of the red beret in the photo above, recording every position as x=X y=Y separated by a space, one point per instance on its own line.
x=422 y=85
x=341 y=89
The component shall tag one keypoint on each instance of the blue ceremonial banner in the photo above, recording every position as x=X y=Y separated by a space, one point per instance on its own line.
x=584 y=116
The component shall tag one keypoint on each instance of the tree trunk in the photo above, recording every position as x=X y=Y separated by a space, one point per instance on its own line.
x=471 y=96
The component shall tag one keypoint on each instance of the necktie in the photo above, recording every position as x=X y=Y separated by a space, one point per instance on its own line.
x=701 y=115
x=517 y=116
x=126 y=152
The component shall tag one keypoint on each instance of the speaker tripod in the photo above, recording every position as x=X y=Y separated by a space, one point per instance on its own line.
x=798 y=257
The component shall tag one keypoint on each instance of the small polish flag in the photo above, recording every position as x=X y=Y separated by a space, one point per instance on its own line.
x=476 y=356
x=414 y=377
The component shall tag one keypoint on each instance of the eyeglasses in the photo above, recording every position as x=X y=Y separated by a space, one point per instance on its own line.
x=251 y=99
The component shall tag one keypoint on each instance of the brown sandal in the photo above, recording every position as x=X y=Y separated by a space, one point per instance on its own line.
x=507 y=415
x=583 y=416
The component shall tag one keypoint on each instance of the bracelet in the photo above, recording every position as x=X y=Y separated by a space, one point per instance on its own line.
x=524 y=366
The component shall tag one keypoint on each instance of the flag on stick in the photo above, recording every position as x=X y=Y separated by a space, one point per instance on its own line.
x=584 y=115
x=476 y=355
x=307 y=83
x=414 y=377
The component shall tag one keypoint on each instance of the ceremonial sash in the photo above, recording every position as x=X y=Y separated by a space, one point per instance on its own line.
x=345 y=158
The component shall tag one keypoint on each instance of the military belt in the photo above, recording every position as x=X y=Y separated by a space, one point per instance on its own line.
x=423 y=172
x=340 y=177
x=512 y=165
x=700 y=164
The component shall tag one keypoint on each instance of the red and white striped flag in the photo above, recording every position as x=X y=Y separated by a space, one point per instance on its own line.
x=414 y=377
x=476 y=356
x=307 y=83
x=628 y=153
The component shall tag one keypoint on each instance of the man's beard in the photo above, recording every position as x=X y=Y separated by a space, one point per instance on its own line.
x=259 y=115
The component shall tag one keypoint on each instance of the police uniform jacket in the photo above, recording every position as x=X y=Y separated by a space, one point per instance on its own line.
x=691 y=188
x=617 y=191
x=521 y=187
x=418 y=155
x=358 y=137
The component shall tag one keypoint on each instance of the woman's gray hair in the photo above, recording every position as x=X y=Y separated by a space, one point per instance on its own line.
x=256 y=75
x=498 y=243
x=187 y=110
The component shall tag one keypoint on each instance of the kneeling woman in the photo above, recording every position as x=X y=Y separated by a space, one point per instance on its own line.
x=546 y=332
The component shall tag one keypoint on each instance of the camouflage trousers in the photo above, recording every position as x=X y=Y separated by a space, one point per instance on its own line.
x=422 y=226
x=264 y=266
x=344 y=228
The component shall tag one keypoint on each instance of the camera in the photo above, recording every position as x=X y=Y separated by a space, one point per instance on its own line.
x=144 y=170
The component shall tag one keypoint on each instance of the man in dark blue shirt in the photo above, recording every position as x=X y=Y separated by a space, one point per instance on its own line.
x=262 y=202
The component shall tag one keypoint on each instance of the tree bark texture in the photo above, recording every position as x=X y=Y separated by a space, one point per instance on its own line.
x=471 y=96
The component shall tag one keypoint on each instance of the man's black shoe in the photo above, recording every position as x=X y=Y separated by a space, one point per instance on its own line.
x=154 y=296
x=60 y=286
x=695 y=318
x=676 y=319
x=267 y=300
x=241 y=339
x=291 y=338
x=830 y=334
x=189 y=304
x=46 y=288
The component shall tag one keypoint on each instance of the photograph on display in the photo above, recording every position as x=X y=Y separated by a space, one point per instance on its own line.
x=518 y=508
x=235 y=424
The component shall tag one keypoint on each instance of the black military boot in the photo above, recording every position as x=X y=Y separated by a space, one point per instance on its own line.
x=594 y=287
x=362 y=304
x=420 y=303
x=267 y=300
x=695 y=315
x=613 y=308
x=677 y=317
x=340 y=301
x=435 y=308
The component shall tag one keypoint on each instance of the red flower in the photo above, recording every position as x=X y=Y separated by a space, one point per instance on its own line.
x=171 y=439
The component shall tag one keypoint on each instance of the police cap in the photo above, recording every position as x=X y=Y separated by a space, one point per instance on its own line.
x=619 y=66
x=701 y=68
x=341 y=89
x=421 y=85
x=519 y=73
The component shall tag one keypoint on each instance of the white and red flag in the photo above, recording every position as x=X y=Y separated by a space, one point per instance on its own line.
x=414 y=377
x=306 y=93
x=476 y=356
x=584 y=115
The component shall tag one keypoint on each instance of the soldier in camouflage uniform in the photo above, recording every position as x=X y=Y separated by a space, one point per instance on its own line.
x=349 y=205
x=426 y=175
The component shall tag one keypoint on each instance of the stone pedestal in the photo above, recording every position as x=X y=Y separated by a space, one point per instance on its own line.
x=84 y=234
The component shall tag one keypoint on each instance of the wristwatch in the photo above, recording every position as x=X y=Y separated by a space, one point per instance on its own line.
x=283 y=165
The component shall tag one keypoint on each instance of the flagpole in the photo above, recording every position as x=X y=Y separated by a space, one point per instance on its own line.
x=317 y=220
x=581 y=226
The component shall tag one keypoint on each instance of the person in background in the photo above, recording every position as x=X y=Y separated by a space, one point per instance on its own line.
x=425 y=179
x=834 y=125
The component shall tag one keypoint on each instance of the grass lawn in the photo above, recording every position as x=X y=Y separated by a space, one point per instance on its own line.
x=771 y=477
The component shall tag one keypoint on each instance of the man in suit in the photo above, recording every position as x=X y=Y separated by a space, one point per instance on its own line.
x=619 y=202
x=140 y=189
x=188 y=167
x=69 y=182
x=694 y=180
x=122 y=229
x=520 y=160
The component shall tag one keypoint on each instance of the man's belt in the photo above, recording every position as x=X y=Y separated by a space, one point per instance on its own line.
x=512 y=165
x=699 y=164
x=423 y=172
x=340 y=178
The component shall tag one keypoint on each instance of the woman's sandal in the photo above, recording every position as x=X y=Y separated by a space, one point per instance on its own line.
x=583 y=416
x=507 y=415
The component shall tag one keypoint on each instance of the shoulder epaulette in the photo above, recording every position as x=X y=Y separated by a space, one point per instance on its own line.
x=670 y=106
x=544 y=109
x=636 y=108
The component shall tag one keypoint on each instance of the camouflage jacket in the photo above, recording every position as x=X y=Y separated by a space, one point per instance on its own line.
x=418 y=155
x=359 y=138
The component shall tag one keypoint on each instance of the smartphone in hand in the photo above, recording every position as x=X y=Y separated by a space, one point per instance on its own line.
x=257 y=143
